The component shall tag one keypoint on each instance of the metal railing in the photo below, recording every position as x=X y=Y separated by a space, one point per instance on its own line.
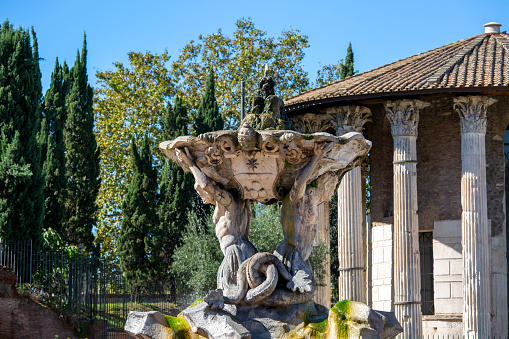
x=82 y=286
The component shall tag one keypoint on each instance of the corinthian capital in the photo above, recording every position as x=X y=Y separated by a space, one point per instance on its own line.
x=404 y=116
x=472 y=111
x=311 y=123
x=348 y=118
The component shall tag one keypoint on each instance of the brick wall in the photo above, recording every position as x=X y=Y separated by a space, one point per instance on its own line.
x=438 y=163
x=22 y=318
x=380 y=160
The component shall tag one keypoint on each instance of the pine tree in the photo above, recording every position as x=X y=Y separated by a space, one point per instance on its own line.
x=53 y=148
x=208 y=118
x=82 y=157
x=138 y=249
x=176 y=189
x=347 y=67
x=21 y=183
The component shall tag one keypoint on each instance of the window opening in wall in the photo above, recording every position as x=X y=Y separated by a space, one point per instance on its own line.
x=426 y=256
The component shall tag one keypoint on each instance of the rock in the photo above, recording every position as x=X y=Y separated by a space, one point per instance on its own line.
x=148 y=325
x=252 y=322
x=350 y=319
x=214 y=323
x=392 y=326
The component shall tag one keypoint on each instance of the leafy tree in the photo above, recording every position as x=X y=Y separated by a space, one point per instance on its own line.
x=197 y=260
x=138 y=255
x=82 y=158
x=21 y=183
x=328 y=74
x=266 y=232
x=241 y=57
x=347 y=68
x=53 y=151
x=333 y=72
x=176 y=189
x=129 y=102
x=208 y=118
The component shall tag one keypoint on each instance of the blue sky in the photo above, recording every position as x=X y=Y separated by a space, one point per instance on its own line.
x=380 y=31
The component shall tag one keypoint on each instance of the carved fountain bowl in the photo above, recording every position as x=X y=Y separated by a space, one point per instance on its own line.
x=263 y=165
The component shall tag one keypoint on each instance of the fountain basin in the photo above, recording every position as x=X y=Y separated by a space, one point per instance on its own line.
x=262 y=165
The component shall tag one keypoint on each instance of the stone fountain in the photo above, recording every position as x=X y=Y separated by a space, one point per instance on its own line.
x=267 y=295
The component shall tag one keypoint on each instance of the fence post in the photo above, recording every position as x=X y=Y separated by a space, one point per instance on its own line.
x=30 y=279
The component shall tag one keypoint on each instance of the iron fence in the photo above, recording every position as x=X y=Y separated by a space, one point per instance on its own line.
x=83 y=286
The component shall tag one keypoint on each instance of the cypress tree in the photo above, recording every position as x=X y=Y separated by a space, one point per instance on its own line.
x=21 y=183
x=176 y=189
x=137 y=246
x=81 y=157
x=52 y=144
x=347 y=67
x=208 y=118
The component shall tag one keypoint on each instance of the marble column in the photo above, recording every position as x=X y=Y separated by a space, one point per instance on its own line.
x=475 y=230
x=404 y=118
x=352 y=246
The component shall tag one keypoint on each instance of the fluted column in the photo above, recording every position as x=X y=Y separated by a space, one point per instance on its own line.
x=475 y=232
x=404 y=118
x=351 y=216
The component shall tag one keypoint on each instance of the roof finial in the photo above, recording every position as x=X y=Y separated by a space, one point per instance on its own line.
x=492 y=27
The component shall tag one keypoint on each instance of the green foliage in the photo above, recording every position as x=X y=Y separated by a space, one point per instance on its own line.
x=328 y=74
x=266 y=232
x=176 y=189
x=208 y=118
x=82 y=158
x=347 y=69
x=137 y=251
x=129 y=103
x=21 y=183
x=196 y=261
x=54 y=242
x=51 y=139
x=333 y=72
x=237 y=58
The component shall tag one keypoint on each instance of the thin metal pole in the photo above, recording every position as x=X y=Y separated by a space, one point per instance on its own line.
x=30 y=262
x=242 y=94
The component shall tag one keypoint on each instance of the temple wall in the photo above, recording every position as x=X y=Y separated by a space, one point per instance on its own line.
x=382 y=290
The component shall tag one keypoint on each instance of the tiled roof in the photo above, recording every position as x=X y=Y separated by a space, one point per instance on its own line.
x=477 y=62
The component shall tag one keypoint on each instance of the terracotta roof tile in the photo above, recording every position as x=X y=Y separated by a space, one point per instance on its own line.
x=479 y=61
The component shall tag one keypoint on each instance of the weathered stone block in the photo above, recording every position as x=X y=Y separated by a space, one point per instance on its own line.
x=149 y=325
x=441 y=267
x=442 y=290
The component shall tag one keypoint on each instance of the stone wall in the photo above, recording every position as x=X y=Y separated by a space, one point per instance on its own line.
x=381 y=270
x=448 y=267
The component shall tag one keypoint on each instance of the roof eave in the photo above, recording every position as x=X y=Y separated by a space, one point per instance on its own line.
x=383 y=96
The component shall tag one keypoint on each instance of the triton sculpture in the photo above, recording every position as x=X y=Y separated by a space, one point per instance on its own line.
x=264 y=295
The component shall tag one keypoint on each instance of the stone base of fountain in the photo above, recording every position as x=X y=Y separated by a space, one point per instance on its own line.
x=346 y=319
